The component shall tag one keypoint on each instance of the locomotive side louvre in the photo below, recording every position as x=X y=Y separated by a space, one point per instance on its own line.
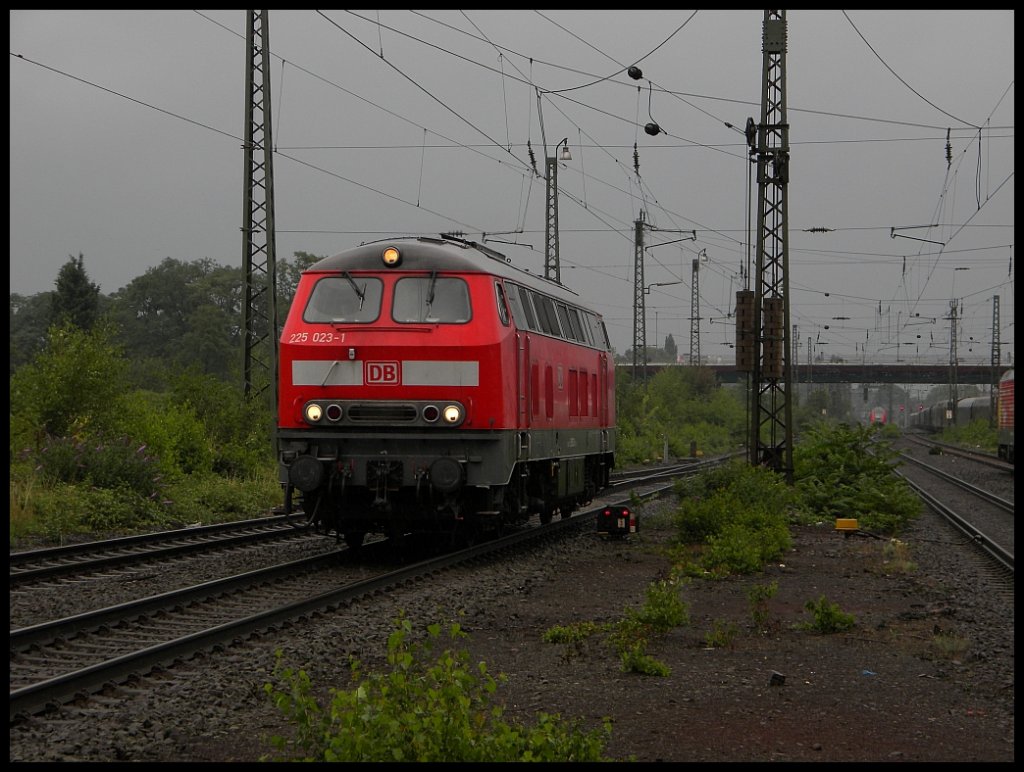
x=416 y=394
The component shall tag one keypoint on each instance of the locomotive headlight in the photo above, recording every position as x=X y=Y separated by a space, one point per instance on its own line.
x=452 y=414
x=313 y=412
x=391 y=257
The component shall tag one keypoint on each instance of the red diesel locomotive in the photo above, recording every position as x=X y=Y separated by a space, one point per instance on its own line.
x=428 y=386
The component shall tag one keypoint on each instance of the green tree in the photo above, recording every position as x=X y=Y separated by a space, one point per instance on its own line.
x=239 y=429
x=181 y=314
x=73 y=387
x=680 y=406
x=288 y=274
x=815 y=404
x=670 y=348
x=30 y=319
x=76 y=299
x=214 y=326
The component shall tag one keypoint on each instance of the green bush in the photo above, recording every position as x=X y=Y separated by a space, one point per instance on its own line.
x=739 y=513
x=743 y=546
x=53 y=510
x=80 y=434
x=61 y=510
x=663 y=610
x=721 y=634
x=635 y=660
x=74 y=387
x=828 y=617
x=115 y=464
x=699 y=519
x=422 y=710
x=890 y=431
x=239 y=428
x=171 y=430
x=572 y=637
x=195 y=498
x=977 y=435
x=847 y=471
x=748 y=484
x=759 y=595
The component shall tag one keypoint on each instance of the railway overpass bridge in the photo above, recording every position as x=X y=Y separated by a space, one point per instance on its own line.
x=856 y=373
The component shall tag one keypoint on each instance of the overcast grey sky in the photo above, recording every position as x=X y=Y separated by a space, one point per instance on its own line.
x=126 y=129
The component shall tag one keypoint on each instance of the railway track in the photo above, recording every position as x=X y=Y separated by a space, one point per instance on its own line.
x=983 y=516
x=89 y=557
x=69 y=658
x=988 y=459
x=83 y=559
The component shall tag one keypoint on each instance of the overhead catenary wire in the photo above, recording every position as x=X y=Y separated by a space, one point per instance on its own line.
x=642 y=194
x=900 y=79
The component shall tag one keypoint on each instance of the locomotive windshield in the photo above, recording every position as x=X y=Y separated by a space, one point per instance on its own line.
x=431 y=299
x=344 y=299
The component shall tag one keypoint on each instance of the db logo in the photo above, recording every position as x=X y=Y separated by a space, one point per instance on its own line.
x=381 y=372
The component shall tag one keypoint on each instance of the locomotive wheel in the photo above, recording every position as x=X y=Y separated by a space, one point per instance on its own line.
x=354 y=539
x=546 y=515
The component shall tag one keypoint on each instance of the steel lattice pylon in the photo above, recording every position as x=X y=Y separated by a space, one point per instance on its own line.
x=995 y=361
x=771 y=431
x=639 y=306
x=953 y=380
x=551 y=265
x=258 y=256
x=695 y=315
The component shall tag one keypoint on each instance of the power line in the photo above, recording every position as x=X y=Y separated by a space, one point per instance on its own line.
x=125 y=96
x=896 y=75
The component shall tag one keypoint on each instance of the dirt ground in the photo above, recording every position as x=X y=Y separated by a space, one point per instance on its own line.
x=894 y=688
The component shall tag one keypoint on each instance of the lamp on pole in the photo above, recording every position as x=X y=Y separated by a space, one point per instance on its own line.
x=551 y=266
